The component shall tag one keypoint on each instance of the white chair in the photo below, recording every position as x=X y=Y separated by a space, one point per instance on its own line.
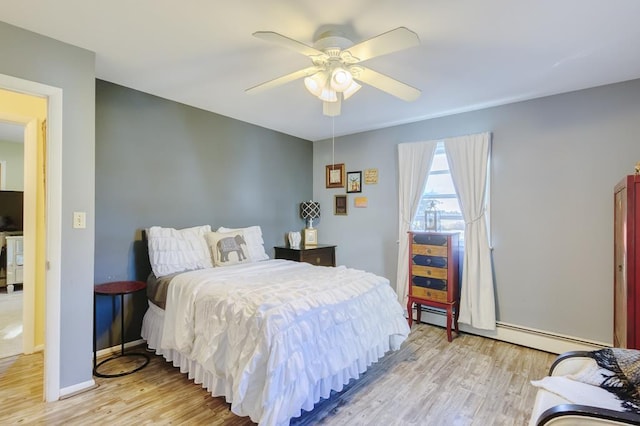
x=551 y=409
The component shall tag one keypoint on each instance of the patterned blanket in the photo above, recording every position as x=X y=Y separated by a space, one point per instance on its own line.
x=618 y=373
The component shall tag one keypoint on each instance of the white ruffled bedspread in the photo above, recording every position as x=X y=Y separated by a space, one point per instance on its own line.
x=275 y=336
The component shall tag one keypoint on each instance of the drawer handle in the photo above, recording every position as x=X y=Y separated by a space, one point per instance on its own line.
x=428 y=272
x=429 y=251
x=317 y=260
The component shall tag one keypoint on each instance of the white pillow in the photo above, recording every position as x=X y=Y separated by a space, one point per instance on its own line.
x=227 y=248
x=176 y=250
x=255 y=243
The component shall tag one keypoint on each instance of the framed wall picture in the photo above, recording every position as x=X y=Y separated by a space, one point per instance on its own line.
x=354 y=182
x=335 y=175
x=340 y=205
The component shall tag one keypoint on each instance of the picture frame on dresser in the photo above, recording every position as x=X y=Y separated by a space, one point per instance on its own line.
x=310 y=236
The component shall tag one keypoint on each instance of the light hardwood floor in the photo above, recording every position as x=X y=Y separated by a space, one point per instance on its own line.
x=471 y=381
x=10 y=322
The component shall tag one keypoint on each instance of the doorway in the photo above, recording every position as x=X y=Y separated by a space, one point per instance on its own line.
x=12 y=179
x=53 y=223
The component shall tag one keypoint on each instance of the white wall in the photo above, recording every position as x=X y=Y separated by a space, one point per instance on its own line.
x=12 y=154
x=554 y=165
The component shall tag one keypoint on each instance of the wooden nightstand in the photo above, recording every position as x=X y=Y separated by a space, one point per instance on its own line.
x=322 y=255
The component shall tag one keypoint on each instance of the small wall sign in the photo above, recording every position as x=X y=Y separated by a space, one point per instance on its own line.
x=360 y=202
x=371 y=176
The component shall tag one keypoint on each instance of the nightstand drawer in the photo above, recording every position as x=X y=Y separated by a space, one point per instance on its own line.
x=318 y=257
x=321 y=255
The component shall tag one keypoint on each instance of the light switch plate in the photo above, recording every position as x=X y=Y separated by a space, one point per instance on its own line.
x=79 y=220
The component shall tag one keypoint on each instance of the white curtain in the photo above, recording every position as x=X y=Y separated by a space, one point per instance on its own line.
x=468 y=161
x=414 y=163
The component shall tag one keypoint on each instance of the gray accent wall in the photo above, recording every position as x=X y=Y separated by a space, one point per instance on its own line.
x=554 y=164
x=32 y=57
x=163 y=163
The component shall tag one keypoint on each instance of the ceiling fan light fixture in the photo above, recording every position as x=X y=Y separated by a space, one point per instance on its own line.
x=340 y=79
x=328 y=95
x=316 y=83
x=353 y=88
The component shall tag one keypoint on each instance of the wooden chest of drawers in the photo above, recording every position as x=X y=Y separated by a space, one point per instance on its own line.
x=626 y=283
x=433 y=274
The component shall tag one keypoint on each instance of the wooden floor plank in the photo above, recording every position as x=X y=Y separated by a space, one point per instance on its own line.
x=470 y=381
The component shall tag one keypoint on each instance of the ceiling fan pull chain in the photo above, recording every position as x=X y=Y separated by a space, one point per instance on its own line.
x=333 y=142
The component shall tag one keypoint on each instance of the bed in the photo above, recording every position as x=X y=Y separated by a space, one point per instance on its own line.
x=271 y=336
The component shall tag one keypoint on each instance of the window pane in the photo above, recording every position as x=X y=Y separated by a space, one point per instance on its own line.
x=439 y=162
x=439 y=188
x=448 y=205
x=439 y=184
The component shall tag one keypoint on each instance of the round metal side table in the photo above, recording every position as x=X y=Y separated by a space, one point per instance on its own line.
x=113 y=289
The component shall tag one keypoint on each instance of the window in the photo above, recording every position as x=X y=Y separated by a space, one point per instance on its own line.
x=439 y=188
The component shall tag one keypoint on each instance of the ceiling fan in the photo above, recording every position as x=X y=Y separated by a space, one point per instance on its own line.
x=336 y=68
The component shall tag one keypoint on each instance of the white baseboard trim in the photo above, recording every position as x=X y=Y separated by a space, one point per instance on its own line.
x=524 y=336
x=77 y=388
x=91 y=384
x=113 y=350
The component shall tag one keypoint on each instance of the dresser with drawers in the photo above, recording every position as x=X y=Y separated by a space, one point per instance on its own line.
x=433 y=275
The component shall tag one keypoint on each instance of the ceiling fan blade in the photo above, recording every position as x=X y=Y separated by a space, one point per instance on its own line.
x=289 y=43
x=392 y=41
x=305 y=72
x=388 y=84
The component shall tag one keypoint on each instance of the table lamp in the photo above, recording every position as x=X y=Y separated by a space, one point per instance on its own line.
x=310 y=210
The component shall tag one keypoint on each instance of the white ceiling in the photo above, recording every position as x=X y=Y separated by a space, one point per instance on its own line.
x=473 y=54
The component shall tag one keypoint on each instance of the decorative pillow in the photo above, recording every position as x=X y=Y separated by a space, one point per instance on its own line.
x=255 y=243
x=227 y=248
x=176 y=250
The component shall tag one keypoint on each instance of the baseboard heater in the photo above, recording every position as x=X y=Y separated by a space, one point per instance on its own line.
x=524 y=336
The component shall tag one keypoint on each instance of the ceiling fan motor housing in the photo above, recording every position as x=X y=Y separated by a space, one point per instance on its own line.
x=332 y=39
x=333 y=44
